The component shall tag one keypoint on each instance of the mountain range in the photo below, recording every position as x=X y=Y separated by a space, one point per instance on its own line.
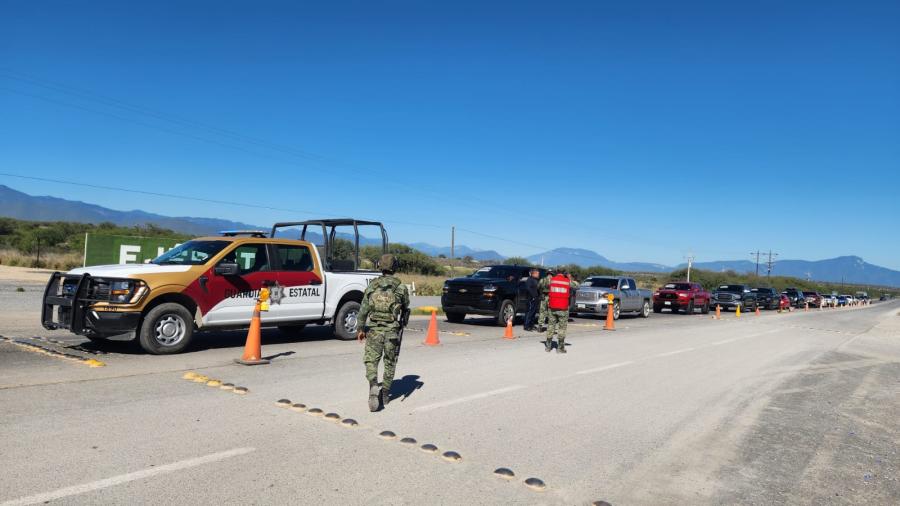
x=851 y=269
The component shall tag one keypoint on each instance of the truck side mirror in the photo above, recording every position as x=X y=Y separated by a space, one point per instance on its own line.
x=227 y=269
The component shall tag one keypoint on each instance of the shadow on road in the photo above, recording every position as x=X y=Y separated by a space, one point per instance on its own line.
x=405 y=386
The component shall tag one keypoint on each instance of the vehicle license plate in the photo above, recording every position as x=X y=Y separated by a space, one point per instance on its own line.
x=582 y=306
x=668 y=303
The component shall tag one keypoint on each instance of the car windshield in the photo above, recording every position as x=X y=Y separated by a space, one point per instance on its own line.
x=732 y=288
x=677 y=286
x=191 y=253
x=488 y=272
x=601 y=282
x=810 y=293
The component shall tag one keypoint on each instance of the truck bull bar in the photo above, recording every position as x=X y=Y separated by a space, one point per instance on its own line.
x=71 y=304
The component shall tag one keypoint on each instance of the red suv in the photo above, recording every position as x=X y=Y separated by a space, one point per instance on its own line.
x=682 y=296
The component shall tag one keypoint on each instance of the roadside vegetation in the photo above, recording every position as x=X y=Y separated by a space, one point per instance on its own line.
x=59 y=244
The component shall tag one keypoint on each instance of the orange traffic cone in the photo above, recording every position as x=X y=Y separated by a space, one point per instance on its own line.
x=508 y=334
x=806 y=306
x=431 y=338
x=610 y=319
x=253 y=348
x=718 y=312
x=757 y=310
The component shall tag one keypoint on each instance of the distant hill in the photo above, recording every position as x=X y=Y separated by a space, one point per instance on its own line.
x=27 y=207
x=850 y=269
x=460 y=251
x=588 y=258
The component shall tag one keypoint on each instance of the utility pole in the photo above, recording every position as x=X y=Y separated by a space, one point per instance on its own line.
x=757 y=261
x=690 y=259
x=770 y=263
x=452 y=242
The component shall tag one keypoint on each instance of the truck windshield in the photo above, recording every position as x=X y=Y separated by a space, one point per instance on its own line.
x=489 y=272
x=190 y=253
x=732 y=288
x=762 y=290
x=677 y=286
x=601 y=282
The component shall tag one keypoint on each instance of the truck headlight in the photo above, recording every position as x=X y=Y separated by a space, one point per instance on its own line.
x=490 y=288
x=445 y=289
x=126 y=291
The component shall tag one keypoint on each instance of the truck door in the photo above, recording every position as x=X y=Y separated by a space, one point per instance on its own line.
x=300 y=278
x=626 y=288
x=230 y=299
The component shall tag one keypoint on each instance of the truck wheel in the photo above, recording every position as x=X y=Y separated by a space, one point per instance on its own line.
x=456 y=317
x=705 y=308
x=345 y=321
x=615 y=310
x=645 y=310
x=292 y=330
x=690 y=308
x=166 y=329
x=507 y=311
x=657 y=309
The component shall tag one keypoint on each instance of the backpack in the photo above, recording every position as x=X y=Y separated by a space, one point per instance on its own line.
x=385 y=302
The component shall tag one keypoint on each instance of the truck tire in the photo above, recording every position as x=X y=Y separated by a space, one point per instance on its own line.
x=455 y=317
x=616 y=310
x=292 y=330
x=705 y=308
x=166 y=329
x=690 y=308
x=507 y=311
x=345 y=321
x=657 y=309
x=645 y=309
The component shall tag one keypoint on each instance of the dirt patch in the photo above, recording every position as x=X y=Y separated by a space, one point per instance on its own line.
x=23 y=275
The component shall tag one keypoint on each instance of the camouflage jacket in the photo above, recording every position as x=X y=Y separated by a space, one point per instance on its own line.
x=544 y=285
x=382 y=321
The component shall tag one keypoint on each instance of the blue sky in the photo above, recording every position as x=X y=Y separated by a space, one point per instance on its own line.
x=641 y=130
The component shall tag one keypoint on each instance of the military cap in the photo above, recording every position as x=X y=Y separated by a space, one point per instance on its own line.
x=388 y=262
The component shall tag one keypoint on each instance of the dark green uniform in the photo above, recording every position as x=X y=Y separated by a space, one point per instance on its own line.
x=383 y=304
x=544 y=287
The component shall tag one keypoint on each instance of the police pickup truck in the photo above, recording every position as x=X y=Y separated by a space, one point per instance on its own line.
x=591 y=296
x=213 y=283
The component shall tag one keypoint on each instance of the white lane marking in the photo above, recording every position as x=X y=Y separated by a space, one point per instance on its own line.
x=605 y=367
x=482 y=395
x=124 y=478
x=726 y=341
x=676 y=352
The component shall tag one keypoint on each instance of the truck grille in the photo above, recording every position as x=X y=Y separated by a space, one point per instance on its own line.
x=587 y=296
x=668 y=296
x=725 y=297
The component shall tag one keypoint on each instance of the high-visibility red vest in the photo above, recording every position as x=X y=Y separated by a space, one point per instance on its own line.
x=559 y=293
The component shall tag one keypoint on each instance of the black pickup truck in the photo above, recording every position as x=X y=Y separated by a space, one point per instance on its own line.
x=496 y=290
x=731 y=297
x=768 y=298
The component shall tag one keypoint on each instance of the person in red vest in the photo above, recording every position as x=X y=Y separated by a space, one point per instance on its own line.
x=561 y=287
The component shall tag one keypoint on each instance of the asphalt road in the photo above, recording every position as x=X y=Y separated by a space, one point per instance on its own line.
x=775 y=409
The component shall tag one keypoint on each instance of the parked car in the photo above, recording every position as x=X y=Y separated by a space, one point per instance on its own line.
x=796 y=296
x=731 y=297
x=829 y=300
x=813 y=299
x=681 y=296
x=843 y=300
x=784 y=303
x=497 y=291
x=768 y=298
x=591 y=296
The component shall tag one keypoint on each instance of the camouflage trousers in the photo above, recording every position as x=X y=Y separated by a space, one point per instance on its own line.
x=545 y=308
x=559 y=321
x=380 y=343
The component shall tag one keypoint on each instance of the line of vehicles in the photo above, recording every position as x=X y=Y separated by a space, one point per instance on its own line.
x=316 y=275
x=498 y=291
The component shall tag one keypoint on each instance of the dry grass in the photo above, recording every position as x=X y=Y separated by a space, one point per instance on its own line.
x=55 y=261
x=425 y=285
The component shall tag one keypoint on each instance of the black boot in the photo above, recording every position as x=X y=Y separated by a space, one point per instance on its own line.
x=374 y=396
x=548 y=345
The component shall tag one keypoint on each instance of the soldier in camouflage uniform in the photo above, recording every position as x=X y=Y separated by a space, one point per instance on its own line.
x=385 y=305
x=559 y=322
x=544 y=287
